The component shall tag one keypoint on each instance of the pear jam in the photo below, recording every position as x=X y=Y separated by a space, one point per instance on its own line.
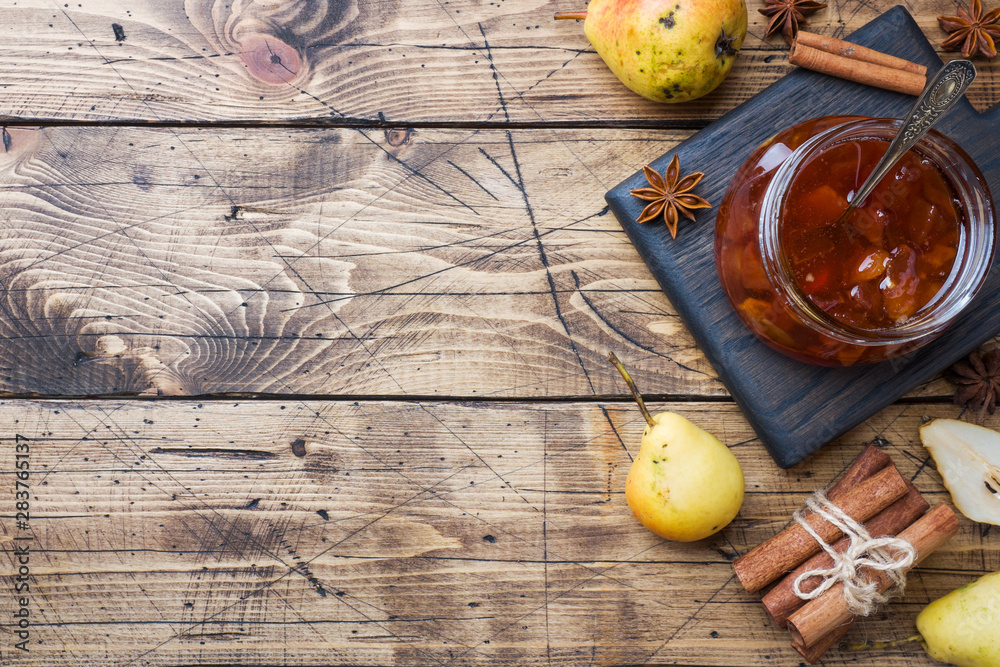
x=891 y=256
x=836 y=291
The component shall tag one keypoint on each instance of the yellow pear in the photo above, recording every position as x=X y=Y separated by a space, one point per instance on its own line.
x=666 y=50
x=963 y=627
x=684 y=485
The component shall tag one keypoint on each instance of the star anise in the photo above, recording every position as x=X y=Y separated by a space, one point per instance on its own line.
x=670 y=194
x=978 y=380
x=786 y=14
x=973 y=31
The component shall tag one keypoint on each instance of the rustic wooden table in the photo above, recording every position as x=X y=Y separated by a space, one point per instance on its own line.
x=304 y=315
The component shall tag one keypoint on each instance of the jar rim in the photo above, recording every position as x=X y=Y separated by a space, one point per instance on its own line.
x=973 y=260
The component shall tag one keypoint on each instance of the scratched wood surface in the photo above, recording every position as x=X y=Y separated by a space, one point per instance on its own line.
x=426 y=457
x=435 y=262
x=360 y=61
x=407 y=532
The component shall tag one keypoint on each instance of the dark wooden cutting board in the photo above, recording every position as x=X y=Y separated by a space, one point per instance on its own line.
x=794 y=407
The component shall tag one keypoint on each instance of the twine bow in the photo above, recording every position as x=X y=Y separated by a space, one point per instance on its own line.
x=884 y=554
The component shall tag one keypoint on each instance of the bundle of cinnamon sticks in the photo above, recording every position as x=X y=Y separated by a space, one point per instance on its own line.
x=872 y=492
x=845 y=60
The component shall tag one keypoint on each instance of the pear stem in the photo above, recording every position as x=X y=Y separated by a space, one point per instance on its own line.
x=878 y=646
x=631 y=385
x=563 y=16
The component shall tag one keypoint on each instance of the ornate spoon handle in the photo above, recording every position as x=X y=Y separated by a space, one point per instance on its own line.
x=940 y=94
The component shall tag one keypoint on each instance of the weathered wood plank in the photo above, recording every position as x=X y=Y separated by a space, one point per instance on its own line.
x=403 y=533
x=469 y=61
x=435 y=262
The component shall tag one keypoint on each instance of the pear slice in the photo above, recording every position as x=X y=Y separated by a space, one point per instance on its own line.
x=968 y=458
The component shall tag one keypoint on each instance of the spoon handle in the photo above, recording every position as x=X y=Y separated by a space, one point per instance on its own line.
x=940 y=94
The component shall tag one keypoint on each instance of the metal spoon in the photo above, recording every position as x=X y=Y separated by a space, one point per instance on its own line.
x=939 y=96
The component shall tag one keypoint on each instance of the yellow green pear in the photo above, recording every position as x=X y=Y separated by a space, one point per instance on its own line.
x=963 y=627
x=684 y=485
x=666 y=50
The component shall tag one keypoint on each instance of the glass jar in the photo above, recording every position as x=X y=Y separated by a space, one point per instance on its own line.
x=881 y=283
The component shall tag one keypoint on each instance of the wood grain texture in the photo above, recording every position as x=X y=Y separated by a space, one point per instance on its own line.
x=362 y=262
x=362 y=61
x=409 y=253
x=328 y=261
x=405 y=533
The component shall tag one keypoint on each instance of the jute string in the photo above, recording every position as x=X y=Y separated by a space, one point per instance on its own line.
x=884 y=554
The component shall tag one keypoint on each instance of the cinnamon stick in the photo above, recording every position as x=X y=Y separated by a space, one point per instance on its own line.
x=816 y=651
x=793 y=545
x=781 y=601
x=858 y=71
x=868 y=462
x=810 y=624
x=855 y=52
